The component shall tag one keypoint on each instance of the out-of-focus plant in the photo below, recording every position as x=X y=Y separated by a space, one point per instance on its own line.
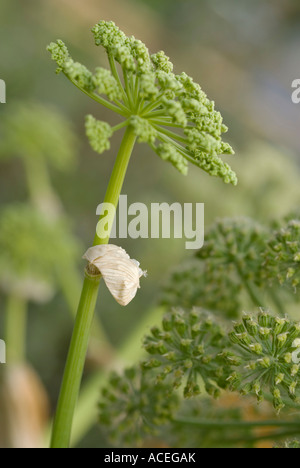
x=202 y=352
x=241 y=264
x=24 y=407
x=35 y=243
x=41 y=137
x=33 y=252
x=169 y=112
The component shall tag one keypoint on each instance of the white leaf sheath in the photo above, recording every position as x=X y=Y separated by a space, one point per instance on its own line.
x=120 y=273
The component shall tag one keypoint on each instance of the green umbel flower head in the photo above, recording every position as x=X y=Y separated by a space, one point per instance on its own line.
x=267 y=349
x=186 y=348
x=169 y=112
x=196 y=283
x=33 y=252
x=35 y=131
x=133 y=408
x=282 y=259
x=236 y=245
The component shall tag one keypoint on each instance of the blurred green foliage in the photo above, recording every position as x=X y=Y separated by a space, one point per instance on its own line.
x=245 y=54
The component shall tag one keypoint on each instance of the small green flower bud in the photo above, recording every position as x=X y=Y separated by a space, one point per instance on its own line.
x=244 y=338
x=191 y=390
x=246 y=389
x=230 y=358
x=296 y=343
x=264 y=332
x=239 y=328
x=155 y=331
x=265 y=362
x=151 y=348
x=280 y=325
x=276 y=393
x=281 y=340
x=199 y=350
x=180 y=326
x=98 y=134
x=295 y=331
x=185 y=344
x=297 y=257
x=167 y=323
x=167 y=370
x=251 y=366
x=207 y=359
x=167 y=337
x=264 y=319
x=161 y=348
x=170 y=356
x=290 y=273
x=251 y=326
x=151 y=364
x=234 y=338
x=279 y=379
x=196 y=330
x=278 y=404
x=194 y=317
x=256 y=348
x=256 y=387
x=295 y=369
x=188 y=364
x=233 y=380
x=288 y=358
x=292 y=388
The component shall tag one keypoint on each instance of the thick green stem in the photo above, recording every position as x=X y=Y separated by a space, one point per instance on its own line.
x=70 y=284
x=127 y=355
x=75 y=364
x=116 y=183
x=79 y=343
x=15 y=329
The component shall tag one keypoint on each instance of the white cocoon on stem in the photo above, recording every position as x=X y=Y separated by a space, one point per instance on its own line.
x=120 y=273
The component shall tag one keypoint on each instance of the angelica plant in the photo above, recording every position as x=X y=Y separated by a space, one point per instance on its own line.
x=201 y=353
x=243 y=263
x=284 y=249
x=171 y=114
x=263 y=348
x=134 y=407
x=30 y=266
x=186 y=348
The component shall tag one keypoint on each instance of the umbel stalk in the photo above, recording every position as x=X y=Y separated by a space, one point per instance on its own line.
x=70 y=387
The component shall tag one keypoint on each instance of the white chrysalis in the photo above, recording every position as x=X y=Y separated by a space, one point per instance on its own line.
x=120 y=273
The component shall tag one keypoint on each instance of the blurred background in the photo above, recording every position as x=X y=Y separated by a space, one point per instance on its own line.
x=244 y=54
